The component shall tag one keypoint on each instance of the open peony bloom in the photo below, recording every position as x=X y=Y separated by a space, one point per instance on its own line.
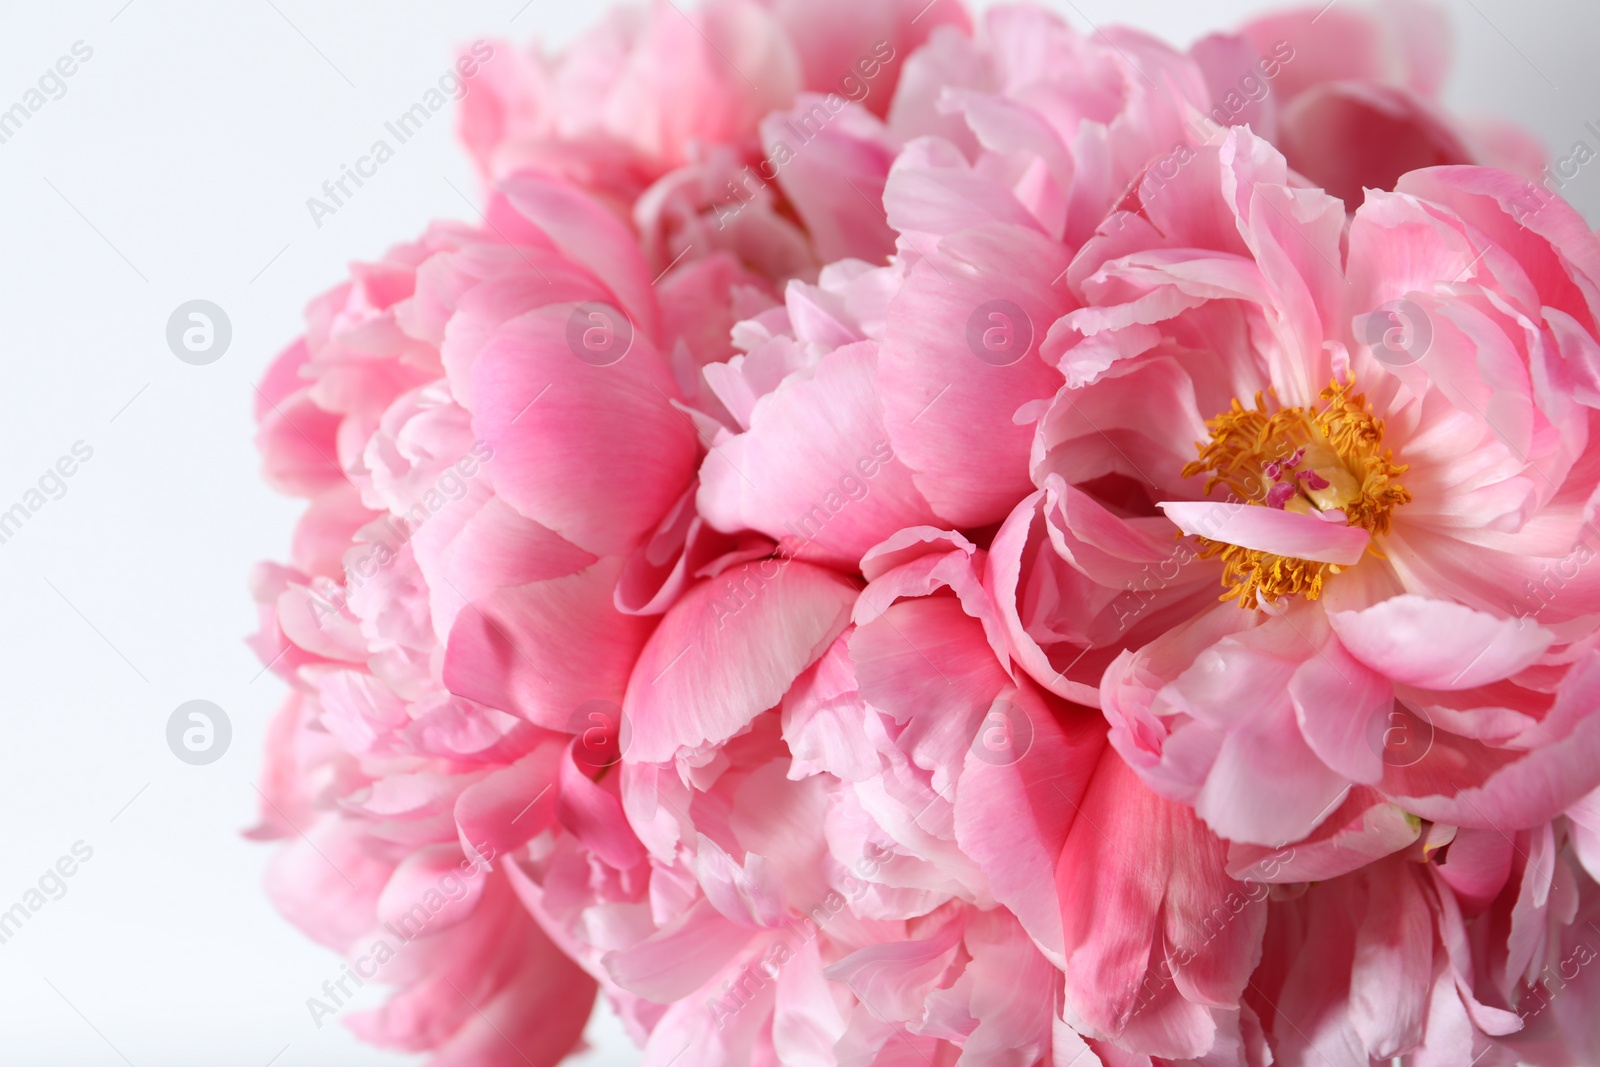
x=1390 y=467
x=902 y=541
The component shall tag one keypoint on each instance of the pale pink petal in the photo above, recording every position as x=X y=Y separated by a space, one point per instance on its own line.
x=1478 y=866
x=1264 y=529
x=949 y=405
x=1393 y=968
x=510 y=806
x=1363 y=829
x=1435 y=644
x=832 y=159
x=1342 y=708
x=544 y=649
x=436 y=880
x=593 y=813
x=728 y=650
x=857 y=48
x=680 y=957
x=896 y=976
x=1464 y=783
x=816 y=471
x=807 y=1020
x=328 y=882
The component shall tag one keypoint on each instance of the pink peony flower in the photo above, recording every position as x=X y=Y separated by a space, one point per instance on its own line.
x=1387 y=591
x=444 y=531
x=1351 y=98
x=653 y=88
x=1075 y=553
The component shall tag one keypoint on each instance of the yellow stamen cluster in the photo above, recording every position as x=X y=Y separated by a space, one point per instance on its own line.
x=1298 y=460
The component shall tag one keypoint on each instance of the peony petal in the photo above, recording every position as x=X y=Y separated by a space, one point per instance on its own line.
x=1012 y=814
x=1283 y=533
x=510 y=806
x=728 y=651
x=544 y=649
x=594 y=815
x=895 y=977
x=816 y=471
x=1342 y=707
x=432 y=888
x=587 y=233
x=556 y=423
x=676 y=960
x=839 y=157
x=949 y=412
x=1362 y=830
x=1435 y=644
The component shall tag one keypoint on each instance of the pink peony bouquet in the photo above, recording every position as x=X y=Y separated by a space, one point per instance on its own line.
x=903 y=538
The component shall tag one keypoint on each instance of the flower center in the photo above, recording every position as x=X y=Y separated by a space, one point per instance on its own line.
x=1328 y=462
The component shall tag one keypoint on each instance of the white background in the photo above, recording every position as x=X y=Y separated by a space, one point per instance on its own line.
x=177 y=166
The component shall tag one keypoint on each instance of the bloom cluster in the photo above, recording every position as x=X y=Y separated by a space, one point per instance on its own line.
x=904 y=539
